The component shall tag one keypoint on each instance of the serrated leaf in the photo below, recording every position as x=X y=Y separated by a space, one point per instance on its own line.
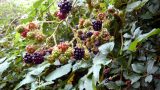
x=133 y=45
x=136 y=85
x=59 y=72
x=96 y=71
x=134 y=78
x=101 y=59
x=79 y=65
x=35 y=71
x=138 y=68
x=26 y=80
x=151 y=69
x=106 y=48
x=34 y=86
x=39 y=69
x=111 y=85
x=149 y=78
x=4 y=66
x=135 y=5
x=132 y=6
x=2 y=59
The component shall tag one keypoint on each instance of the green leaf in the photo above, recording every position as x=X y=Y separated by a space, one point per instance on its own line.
x=59 y=72
x=106 y=48
x=2 y=59
x=96 y=71
x=79 y=65
x=34 y=86
x=136 y=5
x=111 y=85
x=149 y=78
x=101 y=59
x=138 y=68
x=4 y=66
x=139 y=39
x=35 y=71
x=151 y=69
x=39 y=69
x=133 y=77
x=132 y=6
x=26 y=80
x=136 y=85
x=88 y=84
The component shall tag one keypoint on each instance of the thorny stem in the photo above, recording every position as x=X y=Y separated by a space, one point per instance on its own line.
x=121 y=44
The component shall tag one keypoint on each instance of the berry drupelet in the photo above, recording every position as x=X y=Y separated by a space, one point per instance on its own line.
x=97 y=25
x=65 y=6
x=28 y=58
x=37 y=58
x=78 y=53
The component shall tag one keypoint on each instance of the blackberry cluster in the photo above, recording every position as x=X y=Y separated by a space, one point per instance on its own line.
x=65 y=6
x=37 y=58
x=78 y=53
x=97 y=25
x=28 y=58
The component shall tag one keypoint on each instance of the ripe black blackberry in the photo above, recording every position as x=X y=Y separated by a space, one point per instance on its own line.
x=65 y=6
x=78 y=53
x=89 y=34
x=37 y=58
x=28 y=58
x=97 y=25
x=83 y=37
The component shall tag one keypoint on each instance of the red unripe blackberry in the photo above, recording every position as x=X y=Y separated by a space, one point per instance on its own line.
x=65 y=6
x=101 y=16
x=128 y=82
x=106 y=70
x=78 y=53
x=24 y=33
x=37 y=58
x=32 y=26
x=63 y=46
x=97 y=25
x=96 y=33
x=28 y=58
x=30 y=48
x=61 y=15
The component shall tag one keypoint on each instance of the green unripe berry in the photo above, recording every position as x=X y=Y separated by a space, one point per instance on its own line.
x=20 y=28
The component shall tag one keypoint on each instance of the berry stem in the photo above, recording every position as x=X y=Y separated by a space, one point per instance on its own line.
x=54 y=33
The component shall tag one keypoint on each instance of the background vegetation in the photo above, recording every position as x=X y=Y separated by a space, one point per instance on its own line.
x=132 y=54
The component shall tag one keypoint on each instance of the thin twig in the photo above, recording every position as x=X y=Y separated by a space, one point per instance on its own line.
x=11 y=24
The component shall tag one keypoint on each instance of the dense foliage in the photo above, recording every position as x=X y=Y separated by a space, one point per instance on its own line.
x=83 y=45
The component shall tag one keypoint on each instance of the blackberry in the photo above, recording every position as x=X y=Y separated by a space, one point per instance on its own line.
x=97 y=43
x=61 y=15
x=28 y=58
x=37 y=58
x=78 y=53
x=65 y=6
x=83 y=37
x=89 y=34
x=97 y=25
